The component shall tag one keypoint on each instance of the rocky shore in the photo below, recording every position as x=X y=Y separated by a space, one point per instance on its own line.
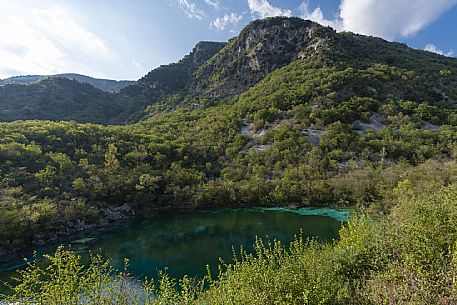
x=111 y=215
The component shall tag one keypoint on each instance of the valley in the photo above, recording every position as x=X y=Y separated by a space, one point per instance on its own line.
x=288 y=113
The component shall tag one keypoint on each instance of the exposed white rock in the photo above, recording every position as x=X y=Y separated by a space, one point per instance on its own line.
x=375 y=123
x=314 y=135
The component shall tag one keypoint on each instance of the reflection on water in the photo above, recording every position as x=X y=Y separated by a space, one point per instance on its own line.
x=185 y=242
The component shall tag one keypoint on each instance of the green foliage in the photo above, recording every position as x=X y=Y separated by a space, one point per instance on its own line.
x=407 y=257
x=64 y=99
x=67 y=281
x=342 y=124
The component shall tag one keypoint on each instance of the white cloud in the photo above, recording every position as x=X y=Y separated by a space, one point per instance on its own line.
x=137 y=65
x=433 y=48
x=47 y=41
x=391 y=18
x=231 y=19
x=318 y=16
x=214 y=3
x=263 y=9
x=191 y=9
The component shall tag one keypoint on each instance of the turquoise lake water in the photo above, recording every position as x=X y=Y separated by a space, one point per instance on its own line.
x=185 y=242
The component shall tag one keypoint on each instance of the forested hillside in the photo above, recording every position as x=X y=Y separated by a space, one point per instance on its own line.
x=340 y=119
x=173 y=78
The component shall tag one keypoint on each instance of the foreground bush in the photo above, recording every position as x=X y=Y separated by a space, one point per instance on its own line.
x=408 y=257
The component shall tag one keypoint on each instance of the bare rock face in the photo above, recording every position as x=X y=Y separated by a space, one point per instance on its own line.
x=221 y=70
x=262 y=47
x=118 y=213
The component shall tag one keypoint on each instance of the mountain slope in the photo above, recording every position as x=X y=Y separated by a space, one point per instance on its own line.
x=106 y=85
x=71 y=97
x=266 y=45
x=221 y=71
x=262 y=47
x=57 y=99
x=340 y=119
x=173 y=78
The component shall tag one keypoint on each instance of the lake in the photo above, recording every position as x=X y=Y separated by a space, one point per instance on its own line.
x=185 y=242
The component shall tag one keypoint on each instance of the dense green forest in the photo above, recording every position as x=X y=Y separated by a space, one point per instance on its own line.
x=316 y=131
x=342 y=119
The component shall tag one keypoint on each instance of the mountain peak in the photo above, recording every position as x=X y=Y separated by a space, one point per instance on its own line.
x=262 y=47
x=280 y=21
x=222 y=70
x=203 y=51
x=175 y=77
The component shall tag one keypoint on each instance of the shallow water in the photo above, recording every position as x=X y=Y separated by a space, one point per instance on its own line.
x=185 y=242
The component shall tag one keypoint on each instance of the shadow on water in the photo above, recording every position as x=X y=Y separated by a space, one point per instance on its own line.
x=185 y=242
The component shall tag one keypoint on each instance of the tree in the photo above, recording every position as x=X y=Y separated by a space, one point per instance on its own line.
x=111 y=162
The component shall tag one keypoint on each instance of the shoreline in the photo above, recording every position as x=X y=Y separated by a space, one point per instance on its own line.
x=75 y=234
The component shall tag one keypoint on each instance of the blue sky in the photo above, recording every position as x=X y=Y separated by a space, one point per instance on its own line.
x=121 y=39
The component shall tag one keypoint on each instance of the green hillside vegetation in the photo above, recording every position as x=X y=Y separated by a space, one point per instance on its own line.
x=216 y=70
x=71 y=97
x=232 y=154
x=344 y=120
x=262 y=47
x=63 y=99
